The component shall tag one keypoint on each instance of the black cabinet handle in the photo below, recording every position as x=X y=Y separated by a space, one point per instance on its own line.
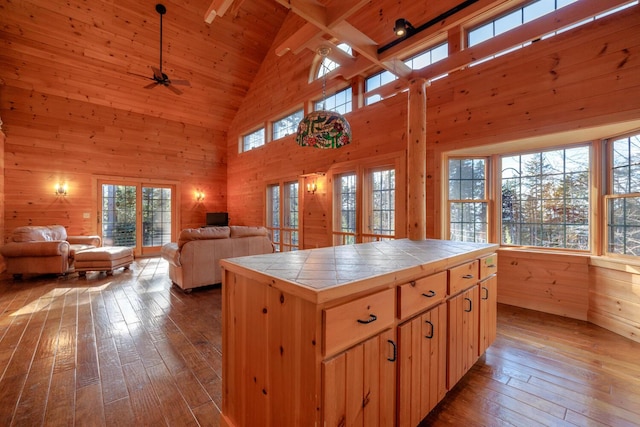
x=468 y=276
x=372 y=318
x=430 y=334
x=470 y=305
x=486 y=293
x=430 y=294
x=395 y=351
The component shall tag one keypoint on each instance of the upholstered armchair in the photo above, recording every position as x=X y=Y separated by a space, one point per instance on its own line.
x=43 y=250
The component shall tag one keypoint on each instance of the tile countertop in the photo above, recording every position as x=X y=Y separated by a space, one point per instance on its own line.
x=327 y=273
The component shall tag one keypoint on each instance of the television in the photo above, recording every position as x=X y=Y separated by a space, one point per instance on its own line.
x=217 y=219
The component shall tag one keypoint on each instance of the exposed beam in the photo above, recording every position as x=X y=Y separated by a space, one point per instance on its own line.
x=298 y=40
x=217 y=8
x=340 y=10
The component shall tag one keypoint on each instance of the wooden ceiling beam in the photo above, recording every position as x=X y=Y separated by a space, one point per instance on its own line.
x=299 y=40
x=217 y=8
x=341 y=10
x=340 y=29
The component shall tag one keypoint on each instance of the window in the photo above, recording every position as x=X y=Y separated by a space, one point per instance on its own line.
x=339 y=102
x=416 y=62
x=623 y=201
x=545 y=199
x=382 y=204
x=345 y=218
x=428 y=57
x=468 y=201
x=273 y=213
x=287 y=125
x=327 y=65
x=283 y=215
x=374 y=202
x=513 y=19
x=253 y=140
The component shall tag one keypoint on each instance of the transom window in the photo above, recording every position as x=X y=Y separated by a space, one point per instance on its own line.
x=253 y=140
x=327 y=65
x=287 y=125
x=623 y=201
x=545 y=199
x=339 y=102
x=513 y=19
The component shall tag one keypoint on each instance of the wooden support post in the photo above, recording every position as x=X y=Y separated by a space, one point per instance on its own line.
x=417 y=160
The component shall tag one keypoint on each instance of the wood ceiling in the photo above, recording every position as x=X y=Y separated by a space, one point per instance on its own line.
x=101 y=51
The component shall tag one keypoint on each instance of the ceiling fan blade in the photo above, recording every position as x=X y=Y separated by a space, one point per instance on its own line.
x=181 y=82
x=174 y=90
x=151 y=86
x=140 y=75
x=157 y=74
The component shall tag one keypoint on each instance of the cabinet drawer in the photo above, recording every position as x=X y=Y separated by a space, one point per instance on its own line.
x=488 y=266
x=463 y=276
x=350 y=323
x=420 y=294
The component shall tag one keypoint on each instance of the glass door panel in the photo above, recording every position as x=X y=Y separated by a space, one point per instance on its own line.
x=119 y=215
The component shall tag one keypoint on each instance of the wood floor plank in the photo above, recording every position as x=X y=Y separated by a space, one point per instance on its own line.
x=131 y=349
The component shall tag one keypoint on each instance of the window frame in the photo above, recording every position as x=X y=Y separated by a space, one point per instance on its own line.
x=280 y=231
x=242 y=144
x=609 y=194
x=488 y=185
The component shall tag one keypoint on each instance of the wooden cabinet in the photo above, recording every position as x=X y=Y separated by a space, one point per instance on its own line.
x=420 y=294
x=359 y=384
x=380 y=350
x=488 y=312
x=422 y=350
x=350 y=323
x=464 y=320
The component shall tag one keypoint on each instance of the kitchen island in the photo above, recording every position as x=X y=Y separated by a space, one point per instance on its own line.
x=368 y=334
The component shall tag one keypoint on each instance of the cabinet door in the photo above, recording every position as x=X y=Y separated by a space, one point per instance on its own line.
x=423 y=365
x=488 y=312
x=464 y=319
x=359 y=384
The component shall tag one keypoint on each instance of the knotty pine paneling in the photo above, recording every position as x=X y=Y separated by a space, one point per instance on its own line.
x=614 y=298
x=549 y=282
x=52 y=139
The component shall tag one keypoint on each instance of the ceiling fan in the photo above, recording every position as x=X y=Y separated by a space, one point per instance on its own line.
x=160 y=78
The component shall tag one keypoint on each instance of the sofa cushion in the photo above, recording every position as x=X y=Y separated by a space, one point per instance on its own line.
x=39 y=233
x=189 y=234
x=246 y=231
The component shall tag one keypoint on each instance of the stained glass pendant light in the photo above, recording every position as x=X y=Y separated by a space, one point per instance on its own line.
x=322 y=128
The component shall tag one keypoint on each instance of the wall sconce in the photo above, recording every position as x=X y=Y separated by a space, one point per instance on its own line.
x=312 y=187
x=199 y=196
x=402 y=27
x=60 y=189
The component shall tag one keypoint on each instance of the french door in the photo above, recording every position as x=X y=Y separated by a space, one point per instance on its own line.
x=136 y=214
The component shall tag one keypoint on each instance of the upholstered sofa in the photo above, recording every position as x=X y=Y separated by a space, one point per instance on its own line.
x=43 y=250
x=194 y=260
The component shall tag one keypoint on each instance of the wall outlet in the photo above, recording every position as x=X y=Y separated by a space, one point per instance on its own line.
x=86 y=215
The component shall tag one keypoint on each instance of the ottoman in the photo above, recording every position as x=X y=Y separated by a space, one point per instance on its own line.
x=106 y=258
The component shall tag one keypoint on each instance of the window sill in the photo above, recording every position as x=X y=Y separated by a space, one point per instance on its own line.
x=619 y=264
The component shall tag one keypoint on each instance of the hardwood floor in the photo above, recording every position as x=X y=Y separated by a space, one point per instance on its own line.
x=129 y=349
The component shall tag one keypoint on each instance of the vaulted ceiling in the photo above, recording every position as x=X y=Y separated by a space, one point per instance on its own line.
x=102 y=52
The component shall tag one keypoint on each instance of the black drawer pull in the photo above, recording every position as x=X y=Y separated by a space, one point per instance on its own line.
x=470 y=305
x=430 y=334
x=372 y=318
x=486 y=293
x=468 y=276
x=491 y=266
x=395 y=351
x=430 y=294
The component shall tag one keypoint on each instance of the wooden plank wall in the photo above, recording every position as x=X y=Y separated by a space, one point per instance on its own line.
x=539 y=90
x=74 y=107
x=614 y=297
x=553 y=283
